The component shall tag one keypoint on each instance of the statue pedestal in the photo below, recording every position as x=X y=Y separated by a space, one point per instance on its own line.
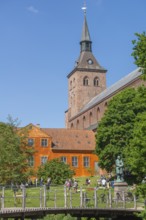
x=119 y=189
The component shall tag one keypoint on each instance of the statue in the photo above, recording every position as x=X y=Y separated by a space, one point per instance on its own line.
x=119 y=169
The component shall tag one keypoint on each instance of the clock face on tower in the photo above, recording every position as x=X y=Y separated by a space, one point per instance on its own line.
x=90 y=61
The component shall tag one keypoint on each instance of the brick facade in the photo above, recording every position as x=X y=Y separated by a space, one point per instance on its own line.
x=80 y=94
x=91 y=116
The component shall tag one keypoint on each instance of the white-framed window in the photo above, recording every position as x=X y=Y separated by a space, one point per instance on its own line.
x=30 y=141
x=64 y=159
x=86 y=162
x=74 y=161
x=44 y=142
x=44 y=159
x=31 y=161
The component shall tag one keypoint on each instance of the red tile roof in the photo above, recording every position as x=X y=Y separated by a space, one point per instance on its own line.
x=68 y=139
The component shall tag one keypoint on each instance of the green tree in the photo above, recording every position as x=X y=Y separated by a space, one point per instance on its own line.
x=116 y=129
x=58 y=171
x=13 y=154
x=139 y=52
x=136 y=150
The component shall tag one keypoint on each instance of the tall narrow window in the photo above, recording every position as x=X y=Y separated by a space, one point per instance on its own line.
x=90 y=118
x=78 y=123
x=74 y=161
x=96 y=81
x=44 y=142
x=64 y=159
x=105 y=105
x=31 y=161
x=84 y=121
x=30 y=142
x=85 y=81
x=86 y=162
x=98 y=113
x=44 y=159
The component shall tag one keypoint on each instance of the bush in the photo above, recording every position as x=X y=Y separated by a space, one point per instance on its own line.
x=55 y=169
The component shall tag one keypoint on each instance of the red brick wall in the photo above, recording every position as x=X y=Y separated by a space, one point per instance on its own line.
x=79 y=94
x=94 y=115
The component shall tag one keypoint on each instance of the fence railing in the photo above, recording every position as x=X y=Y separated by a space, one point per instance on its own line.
x=62 y=197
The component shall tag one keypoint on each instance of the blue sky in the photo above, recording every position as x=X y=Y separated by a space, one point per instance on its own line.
x=39 y=43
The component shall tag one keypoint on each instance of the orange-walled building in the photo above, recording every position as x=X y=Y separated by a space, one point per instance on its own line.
x=73 y=147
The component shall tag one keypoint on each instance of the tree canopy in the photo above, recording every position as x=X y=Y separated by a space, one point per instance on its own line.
x=136 y=150
x=55 y=169
x=139 y=52
x=116 y=133
x=13 y=154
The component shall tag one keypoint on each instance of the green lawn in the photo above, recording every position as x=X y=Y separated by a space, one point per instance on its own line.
x=55 y=197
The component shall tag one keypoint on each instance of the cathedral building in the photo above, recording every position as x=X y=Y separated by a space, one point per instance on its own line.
x=88 y=99
x=87 y=92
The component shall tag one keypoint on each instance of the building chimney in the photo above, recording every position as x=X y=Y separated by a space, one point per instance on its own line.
x=38 y=125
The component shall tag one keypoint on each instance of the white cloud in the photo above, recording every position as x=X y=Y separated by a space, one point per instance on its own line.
x=32 y=9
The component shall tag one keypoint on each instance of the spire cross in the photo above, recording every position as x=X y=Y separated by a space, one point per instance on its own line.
x=84 y=8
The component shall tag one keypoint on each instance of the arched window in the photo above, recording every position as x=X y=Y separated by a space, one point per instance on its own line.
x=78 y=123
x=90 y=118
x=85 y=81
x=98 y=113
x=105 y=104
x=84 y=121
x=96 y=81
x=72 y=125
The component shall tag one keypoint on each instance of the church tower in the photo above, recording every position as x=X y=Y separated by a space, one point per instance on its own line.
x=87 y=79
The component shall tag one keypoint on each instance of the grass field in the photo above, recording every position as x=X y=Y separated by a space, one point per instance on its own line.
x=58 y=196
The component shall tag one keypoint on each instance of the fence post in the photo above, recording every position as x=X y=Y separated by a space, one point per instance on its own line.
x=40 y=197
x=65 y=197
x=70 y=198
x=55 y=199
x=124 y=200
x=81 y=197
x=85 y=199
x=3 y=198
x=95 y=198
x=23 y=197
x=135 y=203
x=44 y=196
x=110 y=199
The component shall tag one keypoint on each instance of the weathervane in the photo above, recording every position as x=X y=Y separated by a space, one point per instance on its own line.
x=84 y=8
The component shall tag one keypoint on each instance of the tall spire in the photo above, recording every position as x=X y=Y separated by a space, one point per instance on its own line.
x=85 y=39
